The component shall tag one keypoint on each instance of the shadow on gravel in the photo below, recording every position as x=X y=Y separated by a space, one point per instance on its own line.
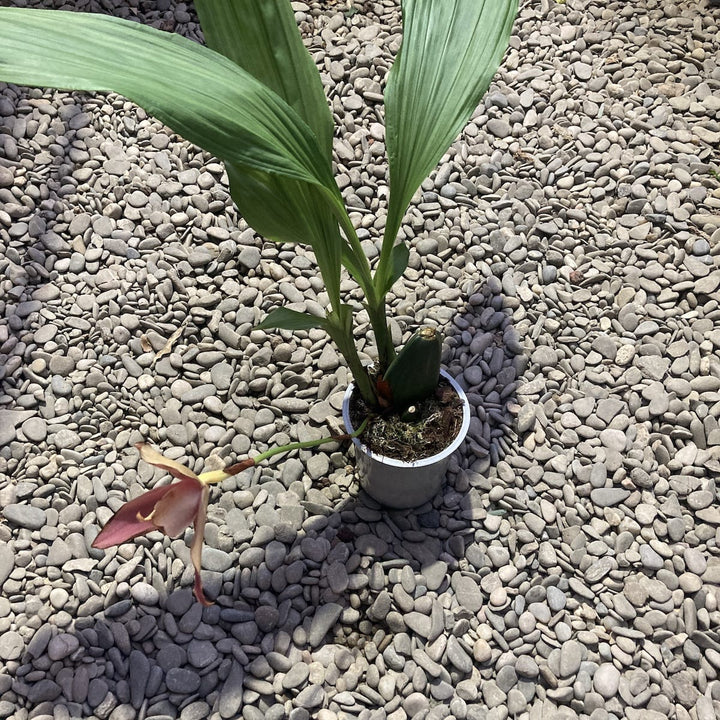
x=487 y=358
x=349 y=577
x=335 y=588
x=38 y=248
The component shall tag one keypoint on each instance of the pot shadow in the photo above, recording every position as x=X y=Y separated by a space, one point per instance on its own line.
x=487 y=358
x=408 y=555
x=325 y=596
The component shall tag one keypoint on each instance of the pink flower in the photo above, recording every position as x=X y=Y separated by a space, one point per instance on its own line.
x=170 y=509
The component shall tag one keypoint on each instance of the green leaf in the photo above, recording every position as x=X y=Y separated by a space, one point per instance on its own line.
x=268 y=204
x=413 y=375
x=398 y=262
x=288 y=210
x=399 y=257
x=263 y=38
x=286 y=319
x=350 y=262
x=197 y=92
x=450 y=51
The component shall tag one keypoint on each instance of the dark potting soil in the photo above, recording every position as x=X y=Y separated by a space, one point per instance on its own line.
x=428 y=431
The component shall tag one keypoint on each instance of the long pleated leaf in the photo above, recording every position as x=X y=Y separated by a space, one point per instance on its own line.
x=450 y=51
x=262 y=37
x=253 y=192
x=205 y=97
x=288 y=210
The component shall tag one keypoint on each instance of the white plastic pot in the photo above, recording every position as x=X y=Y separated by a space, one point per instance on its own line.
x=398 y=484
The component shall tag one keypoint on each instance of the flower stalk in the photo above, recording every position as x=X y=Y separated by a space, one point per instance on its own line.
x=172 y=508
x=217 y=476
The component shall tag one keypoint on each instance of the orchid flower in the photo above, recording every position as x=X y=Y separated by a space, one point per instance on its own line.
x=170 y=509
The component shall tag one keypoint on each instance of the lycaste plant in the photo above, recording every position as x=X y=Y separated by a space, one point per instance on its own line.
x=254 y=98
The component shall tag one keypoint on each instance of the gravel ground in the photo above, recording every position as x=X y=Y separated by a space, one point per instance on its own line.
x=569 y=246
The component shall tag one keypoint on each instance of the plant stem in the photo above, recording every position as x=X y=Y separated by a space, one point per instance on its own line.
x=305 y=444
x=375 y=301
x=382 y=271
x=347 y=348
x=341 y=325
x=383 y=338
x=365 y=279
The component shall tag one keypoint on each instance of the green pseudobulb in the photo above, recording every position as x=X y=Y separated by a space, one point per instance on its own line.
x=414 y=374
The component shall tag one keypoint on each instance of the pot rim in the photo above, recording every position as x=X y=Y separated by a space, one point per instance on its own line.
x=394 y=462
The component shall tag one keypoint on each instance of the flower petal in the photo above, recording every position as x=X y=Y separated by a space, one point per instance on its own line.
x=176 y=469
x=124 y=525
x=179 y=507
x=196 y=549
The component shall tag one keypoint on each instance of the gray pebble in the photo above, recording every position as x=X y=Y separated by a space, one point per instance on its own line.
x=310 y=697
x=7 y=562
x=606 y=680
x=182 y=681
x=145 y=594
x=556 y=598
x=499 y=128
x=11 y=645
x=608 y=497
x=468 y=593
x=25 y=516
x=35 y=429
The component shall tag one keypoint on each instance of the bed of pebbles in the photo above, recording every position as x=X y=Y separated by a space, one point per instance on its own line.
x=569 y=246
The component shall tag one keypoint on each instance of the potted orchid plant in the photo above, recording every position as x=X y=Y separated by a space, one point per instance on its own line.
x=254 y=98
